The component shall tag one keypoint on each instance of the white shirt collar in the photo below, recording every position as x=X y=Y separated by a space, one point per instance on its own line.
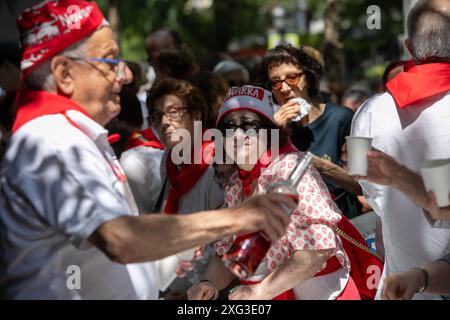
x=90 y=127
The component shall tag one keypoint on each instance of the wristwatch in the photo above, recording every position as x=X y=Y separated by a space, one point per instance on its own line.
x=425 y=279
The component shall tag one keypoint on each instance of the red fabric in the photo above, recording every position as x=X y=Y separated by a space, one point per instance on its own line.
x=181 y=181
x=350 y=291
x=419 y=82
x=360 y=260
x=113 y=138
x=144 y=138
x=247 y=177
x=50 y=27
x=33 y=104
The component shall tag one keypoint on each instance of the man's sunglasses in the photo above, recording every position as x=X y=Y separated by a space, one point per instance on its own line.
x=291 y=79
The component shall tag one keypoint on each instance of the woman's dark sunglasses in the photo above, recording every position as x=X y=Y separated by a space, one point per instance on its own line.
x=254 y=126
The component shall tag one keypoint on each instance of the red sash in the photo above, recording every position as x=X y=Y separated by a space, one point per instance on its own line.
x=144 y=138
x=419 y=82
x=181 y=181
x=33 y=104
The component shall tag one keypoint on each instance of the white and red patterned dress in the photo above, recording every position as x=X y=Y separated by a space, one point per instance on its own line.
x=311 y=228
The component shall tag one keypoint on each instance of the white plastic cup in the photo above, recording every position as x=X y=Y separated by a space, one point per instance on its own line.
x=436 y=177
x=357 y=148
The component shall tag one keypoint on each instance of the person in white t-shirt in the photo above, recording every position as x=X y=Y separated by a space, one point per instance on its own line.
x=70 y=228
x=411 y=123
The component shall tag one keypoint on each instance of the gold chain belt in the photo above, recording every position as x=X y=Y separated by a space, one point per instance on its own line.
x=356 y=243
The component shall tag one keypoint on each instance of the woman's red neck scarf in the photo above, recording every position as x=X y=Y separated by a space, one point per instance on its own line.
x=247 y=177
x=419 y=82
x=184 y=178
x=146 y=138
x=33 y=104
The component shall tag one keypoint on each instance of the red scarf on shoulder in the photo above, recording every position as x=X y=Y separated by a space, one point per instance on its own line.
x=418 y=82
x=183 y=179
x=32 y=104
x=145 y=138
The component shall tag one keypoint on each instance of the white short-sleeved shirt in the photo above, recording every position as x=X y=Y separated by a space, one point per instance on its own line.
x=142 y=167
x=57 y=187
x=410 y=135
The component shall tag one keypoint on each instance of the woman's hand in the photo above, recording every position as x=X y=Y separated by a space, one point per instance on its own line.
x=203 y=290
x=286 y=113
x=246 y=292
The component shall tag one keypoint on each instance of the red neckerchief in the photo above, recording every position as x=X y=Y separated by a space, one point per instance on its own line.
x=181 y=181
x=418 y=82
x=144 y=138
x=247 y=177
x=33 y=104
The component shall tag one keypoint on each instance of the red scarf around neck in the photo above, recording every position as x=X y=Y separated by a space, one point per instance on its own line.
x=144 y=138
x=33 y=104
x=419 y=82
x=247 y=177
x=182 y=180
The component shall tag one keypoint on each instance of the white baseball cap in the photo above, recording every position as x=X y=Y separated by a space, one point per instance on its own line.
x=251 y=98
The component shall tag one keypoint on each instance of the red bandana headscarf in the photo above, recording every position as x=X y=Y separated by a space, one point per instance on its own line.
x=49 y=27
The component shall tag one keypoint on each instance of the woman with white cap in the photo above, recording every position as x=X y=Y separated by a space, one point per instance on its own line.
x=309 y=261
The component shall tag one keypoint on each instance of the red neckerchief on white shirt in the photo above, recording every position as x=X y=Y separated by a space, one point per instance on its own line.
x=32 y=104
x=418 y=82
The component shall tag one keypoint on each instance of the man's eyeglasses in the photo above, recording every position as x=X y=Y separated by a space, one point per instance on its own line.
x=290 y=79
x=250 y=128
x=173 y=114
x=118 y=65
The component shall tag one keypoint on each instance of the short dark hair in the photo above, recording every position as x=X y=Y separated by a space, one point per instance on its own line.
x=188 y=93
x=428 y=29
x=288 y=54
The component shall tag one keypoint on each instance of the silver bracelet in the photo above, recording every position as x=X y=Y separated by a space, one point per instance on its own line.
x=425 y=279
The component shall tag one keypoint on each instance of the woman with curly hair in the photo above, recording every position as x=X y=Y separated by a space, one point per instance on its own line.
x=293 y=76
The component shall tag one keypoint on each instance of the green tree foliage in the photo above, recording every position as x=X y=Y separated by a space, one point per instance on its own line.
x=214 y=28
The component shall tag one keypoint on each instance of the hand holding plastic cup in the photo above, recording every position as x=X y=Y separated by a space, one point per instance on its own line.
x=357 y=148
x=436 y=177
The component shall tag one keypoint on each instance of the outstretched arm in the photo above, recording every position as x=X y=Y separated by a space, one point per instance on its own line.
x=301 y=266
x=129 y=239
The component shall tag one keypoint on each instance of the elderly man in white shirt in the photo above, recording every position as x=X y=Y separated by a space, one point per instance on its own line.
x=66 y=208
x=411 y=123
